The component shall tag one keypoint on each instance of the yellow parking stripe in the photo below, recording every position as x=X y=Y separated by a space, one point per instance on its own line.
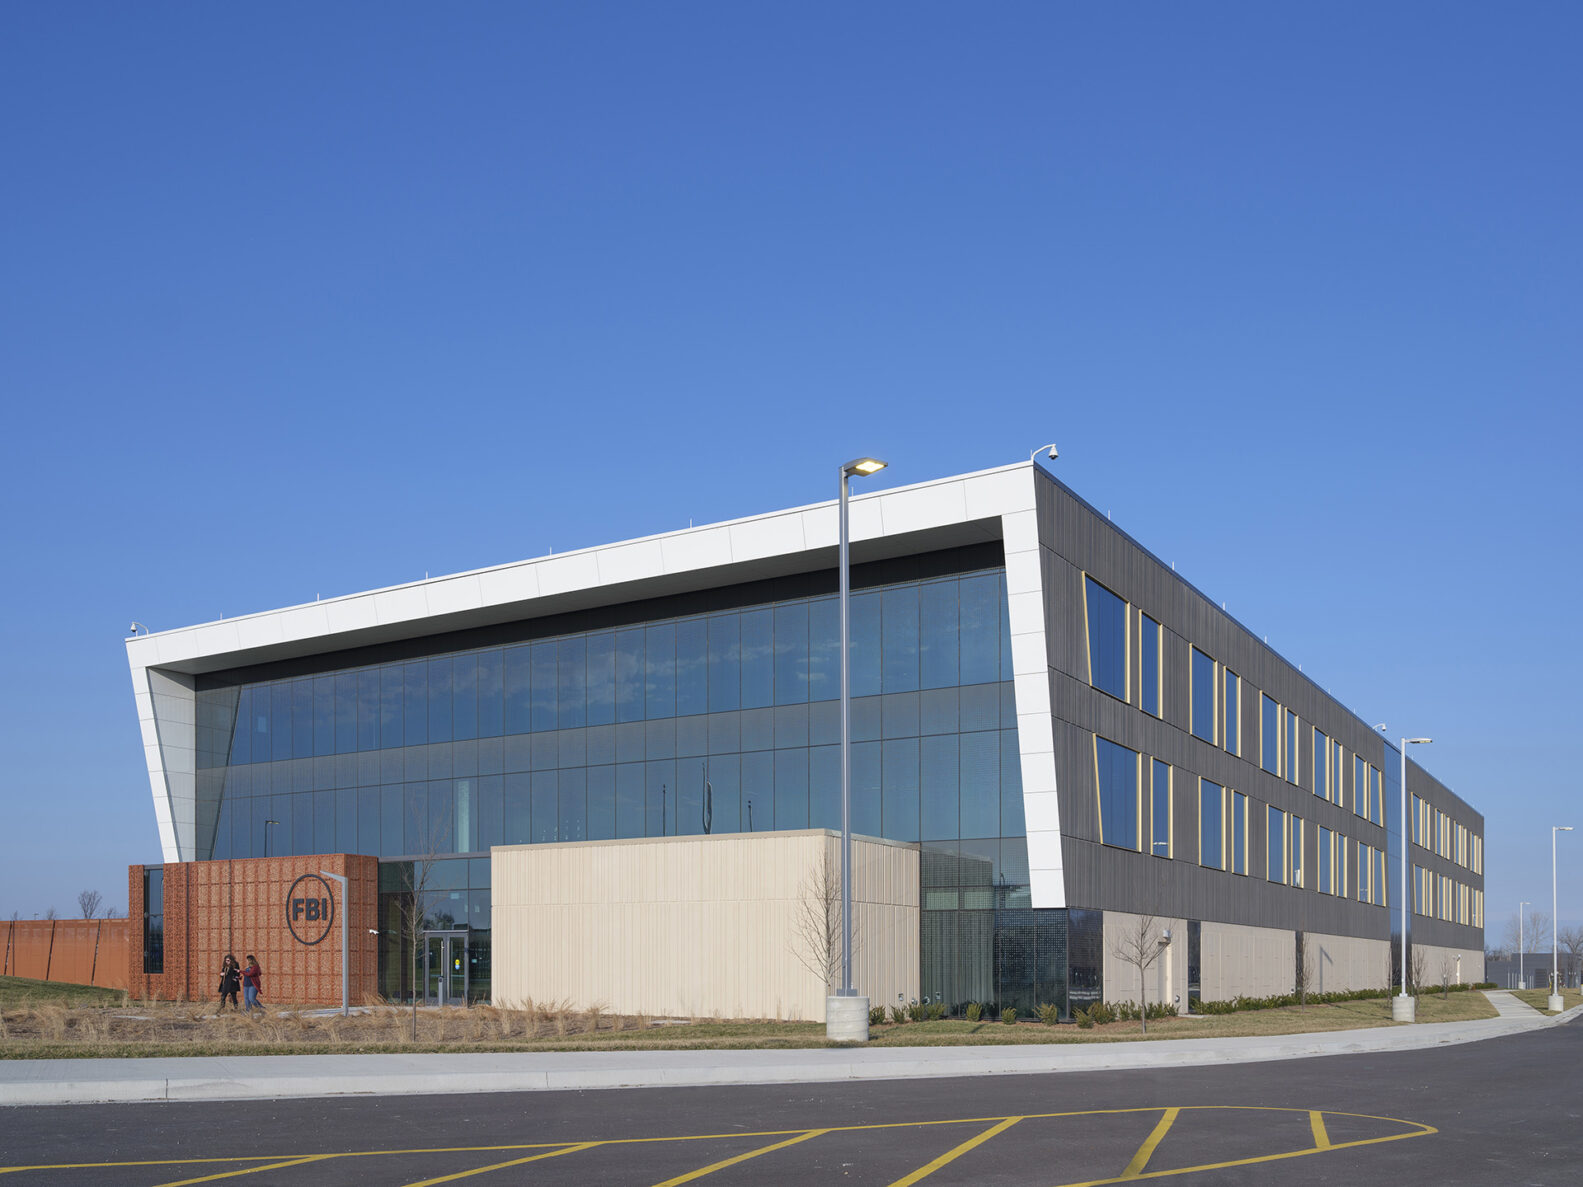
x=714 y=1166
x=1146 y=1151
x=1423 y=1131
x=500 y=1166
x=952 y=1155
x=252 y=1170
x=1316 y=1121
x=271 y=1161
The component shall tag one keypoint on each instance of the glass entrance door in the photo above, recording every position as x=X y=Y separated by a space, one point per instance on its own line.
x=445 y=968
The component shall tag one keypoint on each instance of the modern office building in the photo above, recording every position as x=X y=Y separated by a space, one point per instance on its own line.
x=1070 y=737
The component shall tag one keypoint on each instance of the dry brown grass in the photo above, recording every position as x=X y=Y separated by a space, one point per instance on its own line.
x=54 y=1030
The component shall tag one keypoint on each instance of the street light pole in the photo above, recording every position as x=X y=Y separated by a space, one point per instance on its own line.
x=846 y=1014
x=345 y=981
x=1522 y=980
x=1404 y=1008
x=1555 y=967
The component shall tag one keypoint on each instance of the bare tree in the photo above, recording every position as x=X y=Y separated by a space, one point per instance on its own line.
x=1305 y=971
x=50 y=914
x=816 y=926
x=412 y=902
x=1418 y=968
x=1139 y=944
x=1570 y=938
x=89 y=902
x=1529 y=934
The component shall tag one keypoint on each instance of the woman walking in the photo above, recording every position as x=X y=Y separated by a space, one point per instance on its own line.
x=252 y=982
x=230 y=981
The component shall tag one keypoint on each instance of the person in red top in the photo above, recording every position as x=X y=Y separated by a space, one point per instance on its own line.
x=252 y=982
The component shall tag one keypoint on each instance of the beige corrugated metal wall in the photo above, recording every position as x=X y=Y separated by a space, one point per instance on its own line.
x=1441 y=963
x=695 y=926
x=1347 y=962
x=1166 y=978
x=1250 y=961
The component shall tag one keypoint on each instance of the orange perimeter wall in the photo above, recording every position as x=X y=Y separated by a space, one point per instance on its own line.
x=79 y=951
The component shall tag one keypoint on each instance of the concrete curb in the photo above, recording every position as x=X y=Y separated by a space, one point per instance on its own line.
x=41 y=1082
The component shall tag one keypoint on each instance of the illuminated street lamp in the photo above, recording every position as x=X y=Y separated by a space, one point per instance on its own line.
x=846 y=1014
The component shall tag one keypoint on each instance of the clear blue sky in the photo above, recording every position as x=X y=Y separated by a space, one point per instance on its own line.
x=313 y=299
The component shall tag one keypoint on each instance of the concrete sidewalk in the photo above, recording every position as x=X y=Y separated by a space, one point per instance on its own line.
x=81 y=1081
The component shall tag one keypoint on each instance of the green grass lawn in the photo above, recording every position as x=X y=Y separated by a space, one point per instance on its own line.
x=19 y=991
x=1539 y=999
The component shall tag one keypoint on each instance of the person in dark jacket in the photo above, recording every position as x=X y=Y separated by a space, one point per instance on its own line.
x=252 y=982
x=230 y=981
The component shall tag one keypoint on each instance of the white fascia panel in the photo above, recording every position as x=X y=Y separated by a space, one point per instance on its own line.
x=1012 y=493
x=918 y=508
x=454 y=595
x=630 y=562
x=569 y=573
x=402 y=604
x=1023 y=576
x=994 y=493
x=706 y=549
x=259 y=630
x=305 y=622
x=350 y=614
x=508 y=584
x=1047 y=886
x=775 y=535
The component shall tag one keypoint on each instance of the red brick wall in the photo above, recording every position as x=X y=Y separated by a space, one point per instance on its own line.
x=239 y=907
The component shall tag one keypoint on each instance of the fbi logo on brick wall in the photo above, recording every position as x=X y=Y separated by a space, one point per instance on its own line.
x=310 y=909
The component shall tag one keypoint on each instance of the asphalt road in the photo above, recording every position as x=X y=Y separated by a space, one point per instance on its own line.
x=1505 y=1111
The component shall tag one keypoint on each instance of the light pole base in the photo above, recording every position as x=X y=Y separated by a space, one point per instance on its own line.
x=1554 y=1004
x=1404 y=1008
x=846 y=1019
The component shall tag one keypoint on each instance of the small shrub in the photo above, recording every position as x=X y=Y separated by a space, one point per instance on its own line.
x=876 y=1015
x=974 y=1011
x=1101 y=1014
x=936 y=1011
x=917 y=1011
x=898 y=1014
x=1049 y=1013
x=1009 y=1015
x=1084 y=1022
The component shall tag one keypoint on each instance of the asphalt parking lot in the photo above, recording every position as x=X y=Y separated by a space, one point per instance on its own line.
x=1497 y=1111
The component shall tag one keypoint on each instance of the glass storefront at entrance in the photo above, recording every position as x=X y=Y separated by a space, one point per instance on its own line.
x=445 y=968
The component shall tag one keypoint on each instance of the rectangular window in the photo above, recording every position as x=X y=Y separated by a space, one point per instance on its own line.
x=1203 y=705
x=1360 y=787
x=1365 y=872
x=1107 y=640
x=1381 y=890
x=1117 y=769
x=154 y=919
x=1161 y=814
x=1275 y=844
x=1148 y=665
x=1233 y=712
x=1239 y=833
x=1269 y=734
x=1211 y=825
x=1291 y=746
x=1376 y=806
x=1337 y=772
x=1327 y=862
x=1321 y=765
x=1295 y=851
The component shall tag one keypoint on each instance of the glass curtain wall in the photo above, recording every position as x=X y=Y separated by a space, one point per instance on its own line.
x=721 y=722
